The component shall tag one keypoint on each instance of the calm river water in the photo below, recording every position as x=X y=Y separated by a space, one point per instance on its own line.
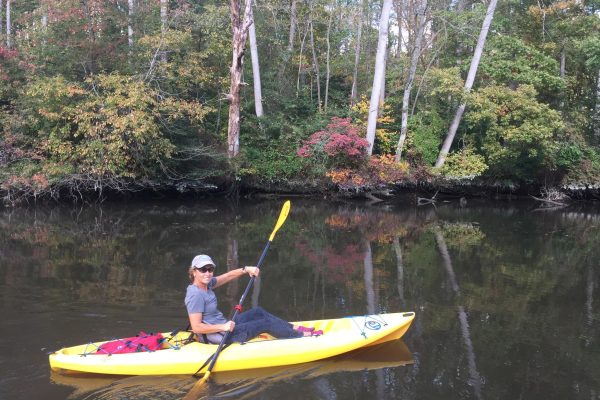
x=507 y=296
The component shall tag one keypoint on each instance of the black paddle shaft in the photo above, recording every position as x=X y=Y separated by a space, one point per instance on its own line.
x=239 y=307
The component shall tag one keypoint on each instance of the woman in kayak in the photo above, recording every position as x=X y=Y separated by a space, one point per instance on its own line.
x=209 y=323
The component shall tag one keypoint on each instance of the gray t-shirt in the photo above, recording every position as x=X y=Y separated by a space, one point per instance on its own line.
x=205 y=302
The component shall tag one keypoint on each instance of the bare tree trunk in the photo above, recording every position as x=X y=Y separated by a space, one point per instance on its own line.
x=90 y=63
x=597 y=110
x=382 y=90
x=8 y=27
x=164 y=14
x=293 y=23
x=379 y=73
x=239 y=29
x=130 y=11
x=474 y=376
x=422 y=21
x=255 y=71
x=400 y=269
x=328 y=71
x=589 y=304
x=370 y=292
x=400 y=22
x=354 y=91
x=1 y=9
x=300 y=62
x=291 y=38
x=315 y=65
x=468 y=83
x=233 y=262
x=563 y=63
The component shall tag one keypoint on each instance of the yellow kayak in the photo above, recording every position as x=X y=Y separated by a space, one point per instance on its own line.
x=340 y=336
x=390 y=354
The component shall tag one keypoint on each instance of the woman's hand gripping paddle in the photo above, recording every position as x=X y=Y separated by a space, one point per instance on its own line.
x=282 y=217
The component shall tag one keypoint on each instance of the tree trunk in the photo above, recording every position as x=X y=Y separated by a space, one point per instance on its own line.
x=370 y=292
x=328 y=70
x=130 y=11
x=468 y=83
x=474 y=376
x=291 y=38
x=400 y=269
x=422 y=21
x=292 y=34
x=400 y=22
x=300 y=62
x=255 y=71
x=315 y=66
x=382 y=90
x=164 y=10
x=233 y=262
x=597 y=110
x=379 y=73
x=354 y=91
x=239 y=29
x=8 y=28
x=563 y=63
x=1 y=9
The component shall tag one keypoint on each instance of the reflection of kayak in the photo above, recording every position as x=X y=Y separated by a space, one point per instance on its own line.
x=340 y=336
x=385 y=355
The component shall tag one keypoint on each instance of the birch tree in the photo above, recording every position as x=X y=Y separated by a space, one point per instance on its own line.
x=130 y=11
x=468 y=83
x=597 y=110
x=379 y=72
x=315 y=64
x=255 y=71
x=416 y=51
x=291 y=38
x=300 y=60
x=239 y=28
x=8 y=27
x=164 y=13
x=354 y=90
x=328 y=69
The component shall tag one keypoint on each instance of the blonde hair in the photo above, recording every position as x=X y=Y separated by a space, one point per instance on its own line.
x=191 y=274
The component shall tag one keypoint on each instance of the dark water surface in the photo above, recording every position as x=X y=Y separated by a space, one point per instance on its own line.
x=506 y=296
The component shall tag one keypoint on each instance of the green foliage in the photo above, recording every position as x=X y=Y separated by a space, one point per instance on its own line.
x=591 y=49
x=112 y=126
x=511 y=62
x=425 y=131
x=272 y=165
x=514 y=131
x=581 y=162
x=464 y=164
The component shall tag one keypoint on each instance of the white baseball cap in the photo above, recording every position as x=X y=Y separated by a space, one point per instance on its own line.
x=201 y=260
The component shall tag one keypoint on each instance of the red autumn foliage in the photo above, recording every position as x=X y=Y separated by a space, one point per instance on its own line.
x=338 y=145
x=338 y=264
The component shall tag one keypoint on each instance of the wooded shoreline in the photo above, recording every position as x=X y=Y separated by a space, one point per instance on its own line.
x=349 y=98
x=424 y=192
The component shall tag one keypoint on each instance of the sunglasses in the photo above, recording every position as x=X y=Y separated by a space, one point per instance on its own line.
x=205 y=269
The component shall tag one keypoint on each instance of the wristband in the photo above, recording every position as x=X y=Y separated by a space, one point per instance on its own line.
x=244 y=270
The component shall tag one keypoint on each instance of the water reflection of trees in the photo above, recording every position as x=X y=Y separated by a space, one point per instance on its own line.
x=517 y=305
x=522 y=279
x=105 y=253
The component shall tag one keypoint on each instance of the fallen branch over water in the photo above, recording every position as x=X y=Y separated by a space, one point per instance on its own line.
x=548 y=201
